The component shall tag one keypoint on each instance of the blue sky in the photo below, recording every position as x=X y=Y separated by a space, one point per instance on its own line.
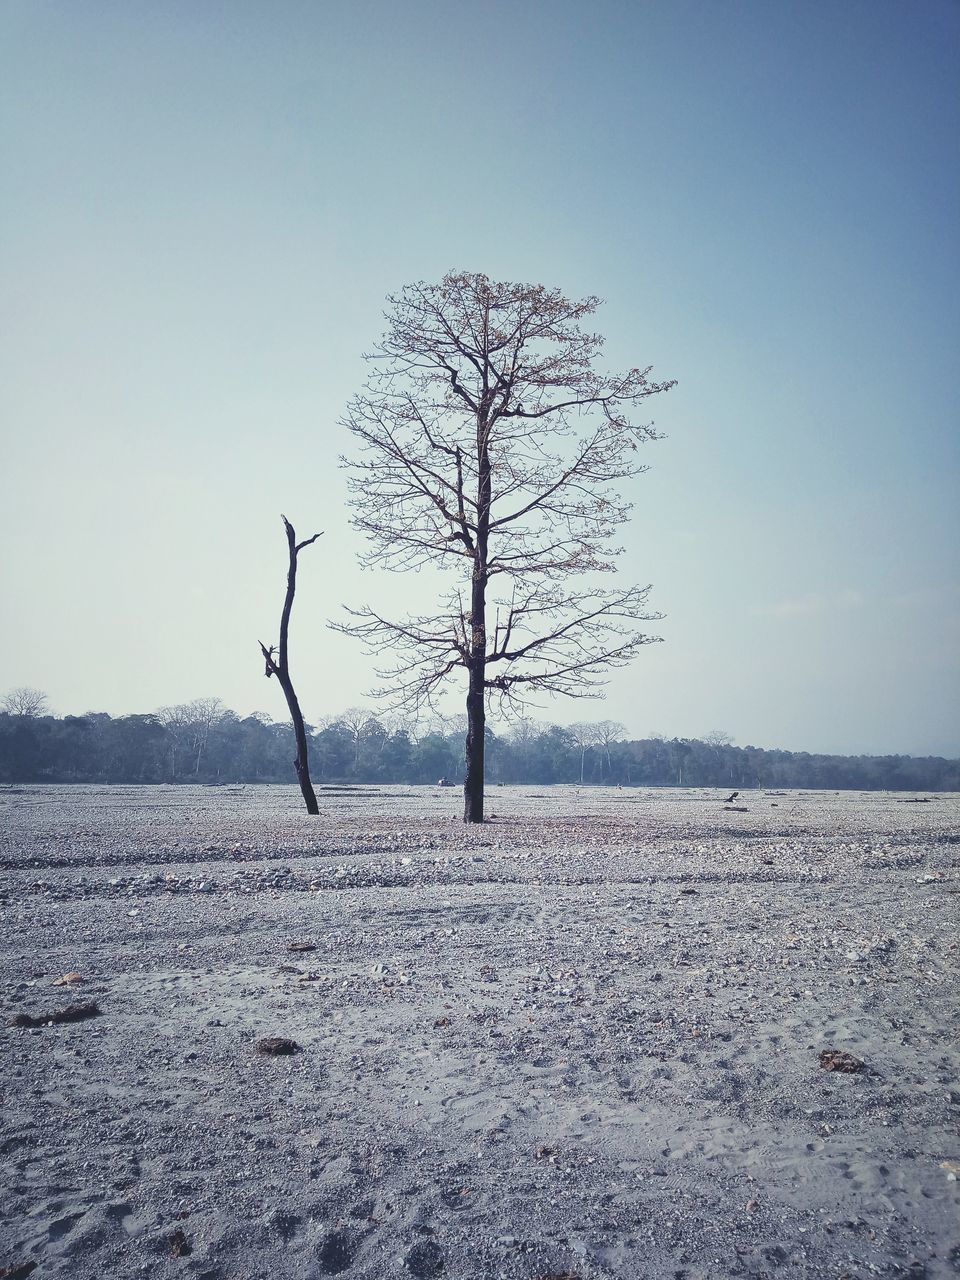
x=207 y=204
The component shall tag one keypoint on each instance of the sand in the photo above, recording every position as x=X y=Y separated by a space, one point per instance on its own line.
x=581 y=1041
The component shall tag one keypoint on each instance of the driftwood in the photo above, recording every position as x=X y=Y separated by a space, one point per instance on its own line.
x=72 y=1013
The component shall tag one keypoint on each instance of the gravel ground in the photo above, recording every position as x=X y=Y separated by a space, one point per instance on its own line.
x=580 y=1041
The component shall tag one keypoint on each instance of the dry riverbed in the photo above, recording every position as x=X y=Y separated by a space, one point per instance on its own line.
x=581 y=1041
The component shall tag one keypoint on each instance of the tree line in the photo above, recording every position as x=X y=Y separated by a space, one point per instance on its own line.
x=205 y=742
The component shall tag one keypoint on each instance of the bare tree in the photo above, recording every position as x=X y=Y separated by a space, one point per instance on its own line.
x=489 y=444
x=355 y=720
x=584 y=736
x=523 y=734
x=681 y=750
x=26 y=702
x=189 y=723
x=447 y=725
x=203 y=714
x=176 y=720
x=524 y=730
x=609 y=732
x=279 y=666
x=718 y=740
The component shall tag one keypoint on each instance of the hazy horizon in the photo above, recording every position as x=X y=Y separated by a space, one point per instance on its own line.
x=207 y=207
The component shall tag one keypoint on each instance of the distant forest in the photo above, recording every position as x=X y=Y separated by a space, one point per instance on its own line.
x=203 y=742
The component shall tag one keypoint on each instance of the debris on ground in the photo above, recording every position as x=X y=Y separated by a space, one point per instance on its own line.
x=836 y=1060
x=70 y=980
x=72 y=1013
x=180 y=1246
x=277 y=1046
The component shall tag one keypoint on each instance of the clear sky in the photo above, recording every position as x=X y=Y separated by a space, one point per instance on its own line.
x=205 y=204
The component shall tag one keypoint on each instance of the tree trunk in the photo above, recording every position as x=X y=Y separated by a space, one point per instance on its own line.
x=476 y=725
x=476 y=703
x=300 y=763
x=281 y=669
x=477 y=666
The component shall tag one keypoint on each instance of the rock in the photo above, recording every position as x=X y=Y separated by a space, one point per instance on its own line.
x=836 y=1060
x=277 y=1046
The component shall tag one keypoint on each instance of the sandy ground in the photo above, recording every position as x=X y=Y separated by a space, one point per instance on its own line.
x=581 y=1041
